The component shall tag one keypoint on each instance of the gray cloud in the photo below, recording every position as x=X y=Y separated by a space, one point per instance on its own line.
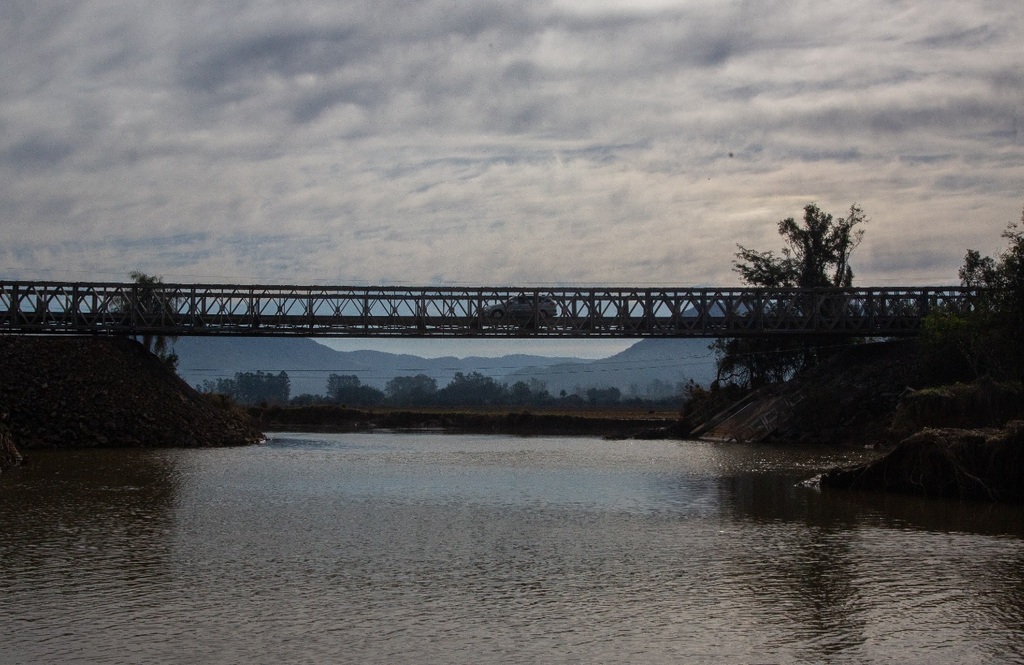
x=37 y=152
x=521 y=142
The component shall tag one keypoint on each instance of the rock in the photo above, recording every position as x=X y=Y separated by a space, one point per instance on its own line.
x=9 y=455
x=980 y=464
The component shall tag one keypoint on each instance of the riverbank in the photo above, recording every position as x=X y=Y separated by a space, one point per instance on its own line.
x=973 y=464
x=940 y=437
x=9 y=454
x=850 y=399
x=83 y=392
x=604 y=423
x=110 y=392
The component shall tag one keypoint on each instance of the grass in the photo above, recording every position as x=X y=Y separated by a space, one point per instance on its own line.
x=596 y=413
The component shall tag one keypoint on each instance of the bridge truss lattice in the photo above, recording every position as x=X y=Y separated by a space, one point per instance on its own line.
x=54 y=308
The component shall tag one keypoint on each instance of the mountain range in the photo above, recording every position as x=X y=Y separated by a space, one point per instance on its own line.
x=648 y=368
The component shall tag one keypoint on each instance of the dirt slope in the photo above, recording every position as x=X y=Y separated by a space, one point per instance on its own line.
x=105 y=391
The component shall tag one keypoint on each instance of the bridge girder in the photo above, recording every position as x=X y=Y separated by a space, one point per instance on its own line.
x=54 y=308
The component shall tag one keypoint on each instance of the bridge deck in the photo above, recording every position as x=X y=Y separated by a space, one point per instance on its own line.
x=343 y=311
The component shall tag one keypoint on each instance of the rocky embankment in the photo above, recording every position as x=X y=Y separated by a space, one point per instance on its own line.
x=871 y=394
x=850 y=399
x=960 y=440
x=977 y=464
x=85 y=392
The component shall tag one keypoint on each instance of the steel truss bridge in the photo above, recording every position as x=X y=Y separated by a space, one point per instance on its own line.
x=55 y=308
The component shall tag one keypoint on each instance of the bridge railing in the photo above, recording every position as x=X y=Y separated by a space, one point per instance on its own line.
x=355 y=311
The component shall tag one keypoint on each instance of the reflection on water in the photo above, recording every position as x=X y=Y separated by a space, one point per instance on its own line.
x=430 y=548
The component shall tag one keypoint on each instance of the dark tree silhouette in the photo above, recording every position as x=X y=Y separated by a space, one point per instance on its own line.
x=815 y=254
x=147 y=299
x=987 y=337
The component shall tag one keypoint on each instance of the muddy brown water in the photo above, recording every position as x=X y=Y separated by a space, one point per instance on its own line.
x=430 y=548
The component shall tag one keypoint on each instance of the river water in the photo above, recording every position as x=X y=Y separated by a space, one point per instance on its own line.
x=429 y=548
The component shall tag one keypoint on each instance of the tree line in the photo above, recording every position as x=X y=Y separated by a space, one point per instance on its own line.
x=252 y=387
x=985 y=338
x=465 y=389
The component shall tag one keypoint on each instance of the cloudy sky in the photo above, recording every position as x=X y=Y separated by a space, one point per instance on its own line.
x=519 y=142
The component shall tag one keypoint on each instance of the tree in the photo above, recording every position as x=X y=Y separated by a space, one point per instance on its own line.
x=603 y=396
x=473 y=389
x=816 y=254
x=219 y=387
x=258 y=387
x=519 y=393
x=416 y=390
x=146 y=300
x=252 y=387
x=988 y=335
x=348 y=389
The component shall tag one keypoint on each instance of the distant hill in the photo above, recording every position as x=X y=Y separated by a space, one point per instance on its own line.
x=210 y=358
x=648 y=367
x=309 y=363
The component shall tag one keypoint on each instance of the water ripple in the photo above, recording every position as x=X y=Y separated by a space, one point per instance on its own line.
x=430 y=549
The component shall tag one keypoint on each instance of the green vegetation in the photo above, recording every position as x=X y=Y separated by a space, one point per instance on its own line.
x=252 y=387
x=982 y=403
x=348 y=389
x=465 y=390
x=617 y=423
x=981 y=339
x=416 y=390
x=985 y=339
x=816 y=254
x=146 y=300
x=965 y=372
